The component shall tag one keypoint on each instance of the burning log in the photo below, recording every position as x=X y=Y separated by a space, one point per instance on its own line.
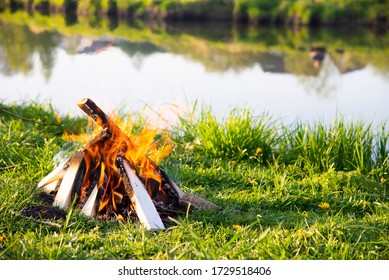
x=90 y=206
x=144 y=206
x=111 y=177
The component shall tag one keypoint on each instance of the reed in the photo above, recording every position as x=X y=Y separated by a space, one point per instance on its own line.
x=240 y=136
x=342 y=145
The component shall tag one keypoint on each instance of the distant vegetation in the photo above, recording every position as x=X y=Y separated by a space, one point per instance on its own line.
x=304 y=12
x=219 y=47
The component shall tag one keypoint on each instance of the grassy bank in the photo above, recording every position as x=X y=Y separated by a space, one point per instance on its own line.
x=252 y=11
x=306 y=191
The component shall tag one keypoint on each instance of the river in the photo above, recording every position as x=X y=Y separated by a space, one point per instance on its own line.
x=292 y=74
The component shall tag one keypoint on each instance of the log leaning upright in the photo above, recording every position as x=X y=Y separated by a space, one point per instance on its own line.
x=65 y=193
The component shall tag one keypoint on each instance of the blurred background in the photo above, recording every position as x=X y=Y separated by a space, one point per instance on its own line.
x=297 y=60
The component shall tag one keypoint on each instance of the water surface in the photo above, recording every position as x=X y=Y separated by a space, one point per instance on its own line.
x=307 y=74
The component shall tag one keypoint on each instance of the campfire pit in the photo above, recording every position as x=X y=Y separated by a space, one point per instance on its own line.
x=111 y=176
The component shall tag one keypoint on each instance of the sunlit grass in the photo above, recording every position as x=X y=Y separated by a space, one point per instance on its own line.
x=344 y=145
x=305 y=206
x=239 y=136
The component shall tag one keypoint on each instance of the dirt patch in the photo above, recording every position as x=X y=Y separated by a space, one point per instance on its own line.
x=46 y=198
x=44 y=212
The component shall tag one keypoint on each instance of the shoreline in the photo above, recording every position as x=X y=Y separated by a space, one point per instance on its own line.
x=281 y=13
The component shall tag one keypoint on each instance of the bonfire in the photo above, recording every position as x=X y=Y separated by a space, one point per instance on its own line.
x=112 y=176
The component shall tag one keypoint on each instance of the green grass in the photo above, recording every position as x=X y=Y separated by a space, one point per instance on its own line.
x=240 y=136
x=269 y=209
x=342 y=146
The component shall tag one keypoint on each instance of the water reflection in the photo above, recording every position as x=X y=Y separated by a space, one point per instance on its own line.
x=18 y=44
x=317 y=58
x=219 y=47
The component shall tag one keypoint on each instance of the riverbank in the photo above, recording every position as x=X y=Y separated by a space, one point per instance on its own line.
x=300 y=12
x=279 y=199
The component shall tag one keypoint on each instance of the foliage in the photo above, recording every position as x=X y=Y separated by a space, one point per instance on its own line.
x=313 y=12
x=292 y=12
x=284 y=210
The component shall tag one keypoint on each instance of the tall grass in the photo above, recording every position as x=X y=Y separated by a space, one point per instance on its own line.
x=241 y=136
x=343 y=146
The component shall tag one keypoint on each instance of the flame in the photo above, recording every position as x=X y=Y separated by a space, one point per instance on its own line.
x=58 y=117
x=101 y=170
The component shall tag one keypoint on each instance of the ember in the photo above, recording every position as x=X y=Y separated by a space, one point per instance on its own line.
x=112 y=176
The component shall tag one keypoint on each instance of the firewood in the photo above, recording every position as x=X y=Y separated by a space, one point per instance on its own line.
x=98 y=115
x=135 y=189
x=164 y=211
x=52 y=187
x=57 y=174
x=93 y=111
x=63 y=199
x=100 y=137
x=103 y=180
x=90 y=206
x=196 y=202
x=179 y=191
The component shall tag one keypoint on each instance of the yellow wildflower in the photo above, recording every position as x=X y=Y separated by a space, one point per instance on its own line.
x=324 y=205
x=237 y=227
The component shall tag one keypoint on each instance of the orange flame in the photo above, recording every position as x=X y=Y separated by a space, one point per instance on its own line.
x=58 y=117
x=100 y=163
